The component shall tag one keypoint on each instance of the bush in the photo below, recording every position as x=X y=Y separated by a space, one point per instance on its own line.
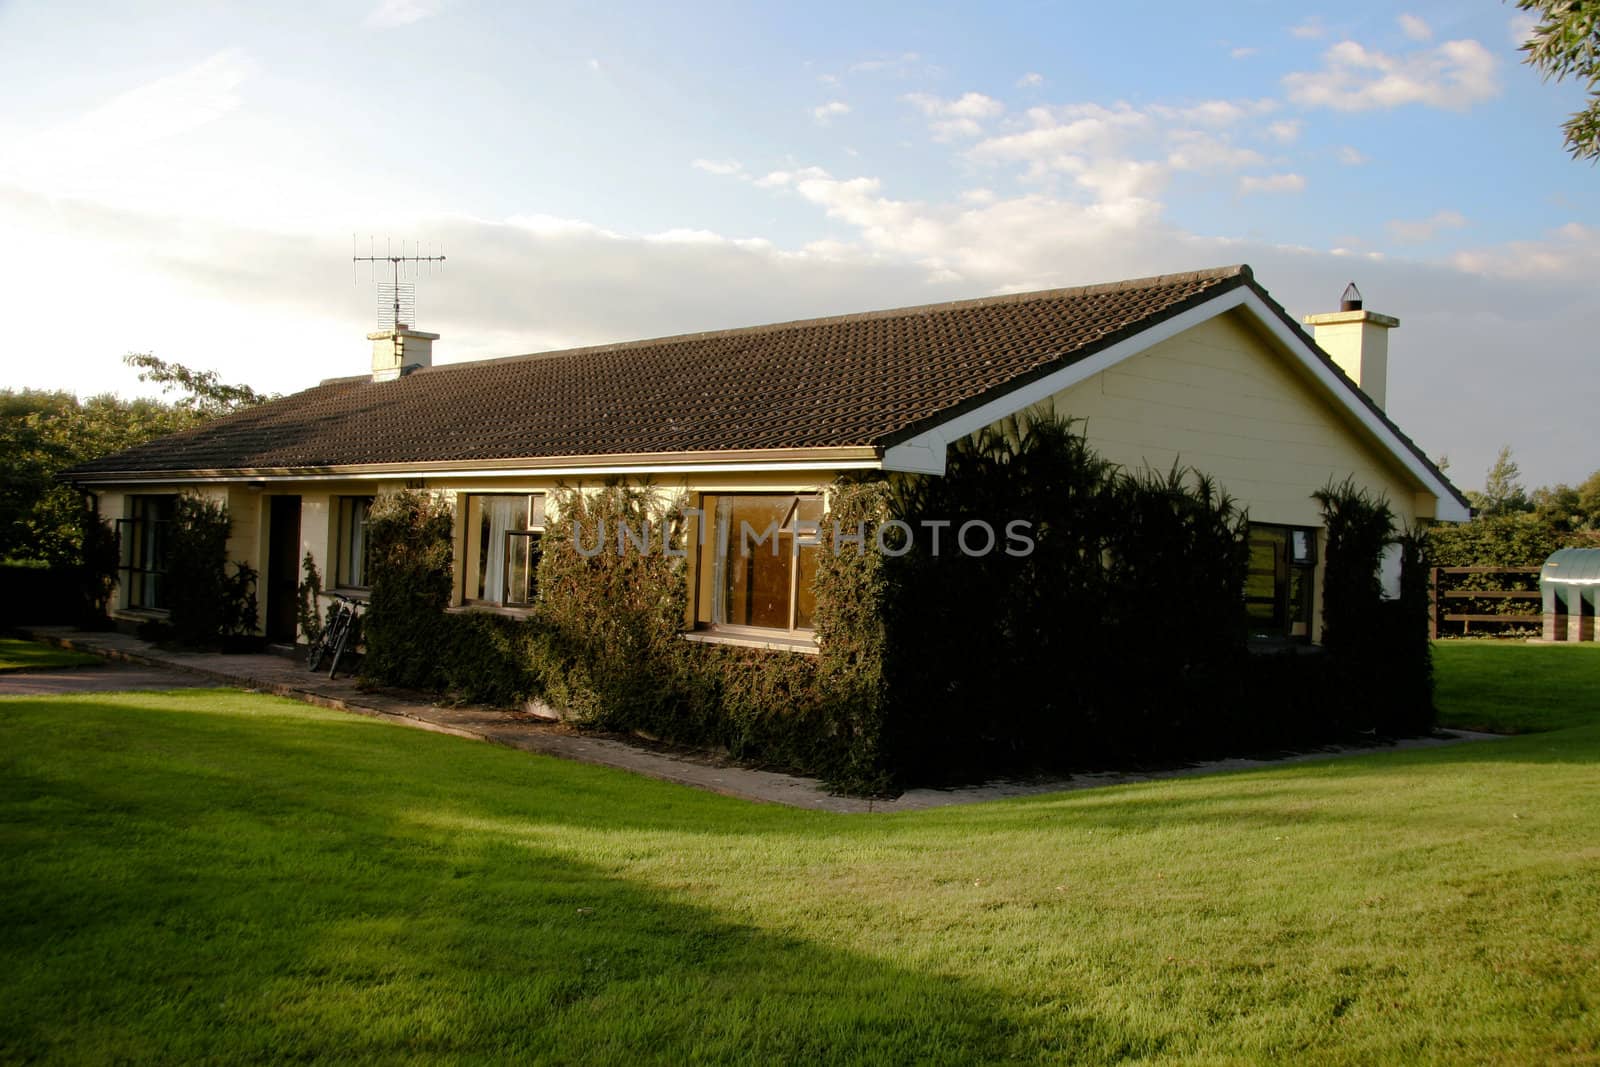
x=409 y=541
x=1115 y=639
x=1120 y=638
x=1380 y=652
x=308 y=601
x=211 y=600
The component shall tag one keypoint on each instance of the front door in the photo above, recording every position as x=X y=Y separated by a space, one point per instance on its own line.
x=283 y=569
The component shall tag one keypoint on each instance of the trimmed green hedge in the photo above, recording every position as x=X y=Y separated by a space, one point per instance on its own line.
x=1120 y=638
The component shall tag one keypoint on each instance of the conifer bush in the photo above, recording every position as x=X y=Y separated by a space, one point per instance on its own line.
x=1117 y=637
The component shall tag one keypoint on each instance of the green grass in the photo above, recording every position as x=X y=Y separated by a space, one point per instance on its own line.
x=222 y=876
x=1511 y=687
x=19 y=655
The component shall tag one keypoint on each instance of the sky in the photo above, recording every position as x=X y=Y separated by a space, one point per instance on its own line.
x=190 y=180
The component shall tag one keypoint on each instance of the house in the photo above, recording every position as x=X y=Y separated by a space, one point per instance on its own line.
x=754 y=424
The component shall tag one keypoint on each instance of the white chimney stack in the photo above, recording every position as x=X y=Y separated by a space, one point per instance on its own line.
x=1358 y=341
x=400 y=351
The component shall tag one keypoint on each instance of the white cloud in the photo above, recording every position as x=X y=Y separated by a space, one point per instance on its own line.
x=1197 y=151
x=1214 y=112
x=826 y=113
x=1418 y=231
x=1350 y=156
x=1308 y=29
x=1415 y=27
x=1571 y=251
x=1242 y=52
x=1271 y=183
x=1285 y=132
x=718 y=166
x=1520 y=27
x=1454 y=75
x=779 y=178
x=391 y=13
x=1060 y=139
x=960 y=117
x=131 y=128
x=1030 y=80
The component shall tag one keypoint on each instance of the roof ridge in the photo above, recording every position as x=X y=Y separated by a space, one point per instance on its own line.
x=1236 y=270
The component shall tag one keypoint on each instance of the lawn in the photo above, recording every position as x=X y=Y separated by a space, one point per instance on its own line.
x=225 y=876
x=1513 y=687
x=19 y=655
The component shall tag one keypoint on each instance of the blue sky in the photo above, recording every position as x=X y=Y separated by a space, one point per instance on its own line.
x=185 y=179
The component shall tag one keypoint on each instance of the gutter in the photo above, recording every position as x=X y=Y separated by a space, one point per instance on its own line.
x=858 y=457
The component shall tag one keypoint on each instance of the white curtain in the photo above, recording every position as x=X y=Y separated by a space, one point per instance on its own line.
x=719 y=566
x=358 y=542
x=502 y=513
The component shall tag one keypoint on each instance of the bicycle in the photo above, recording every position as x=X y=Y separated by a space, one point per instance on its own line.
x=335 y=635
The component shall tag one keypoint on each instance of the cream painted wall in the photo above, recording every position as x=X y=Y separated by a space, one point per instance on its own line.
x=1217 y=398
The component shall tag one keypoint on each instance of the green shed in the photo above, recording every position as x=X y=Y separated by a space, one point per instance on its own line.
x=1570 y=585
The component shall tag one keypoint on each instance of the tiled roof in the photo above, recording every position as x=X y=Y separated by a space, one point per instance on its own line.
x=854 y=380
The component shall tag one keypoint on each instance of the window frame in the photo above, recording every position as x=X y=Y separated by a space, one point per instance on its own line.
x=341 y=560
x=532 y=534
x=1295 y=558
x=709 y=548
x=143 y=544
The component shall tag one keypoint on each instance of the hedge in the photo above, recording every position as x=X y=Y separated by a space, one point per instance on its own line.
x=1119 y=639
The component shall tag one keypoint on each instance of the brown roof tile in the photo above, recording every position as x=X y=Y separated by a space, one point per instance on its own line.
x=855 y=380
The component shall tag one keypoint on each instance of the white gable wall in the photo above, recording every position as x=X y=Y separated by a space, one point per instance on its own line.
x=1216 y=398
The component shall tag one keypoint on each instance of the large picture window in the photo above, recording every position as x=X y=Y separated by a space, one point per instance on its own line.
x=759 y=561
x=143 y=537
x=1278 y=588
x=350 y=569
x=504 y=536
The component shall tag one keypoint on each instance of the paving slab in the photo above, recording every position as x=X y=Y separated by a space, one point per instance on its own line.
x=529 y=732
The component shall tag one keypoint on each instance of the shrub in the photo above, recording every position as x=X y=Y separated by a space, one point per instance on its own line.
x=409 y=541
x=308 y=601
x=210 y=599
x=1119 y=638
x=1379 y=649
x=98 y=571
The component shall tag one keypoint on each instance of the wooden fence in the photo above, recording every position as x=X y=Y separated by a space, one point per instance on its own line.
x=1445 y=590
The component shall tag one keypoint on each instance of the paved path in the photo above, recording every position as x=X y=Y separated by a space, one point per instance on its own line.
x=524 y=730
x=100 y=678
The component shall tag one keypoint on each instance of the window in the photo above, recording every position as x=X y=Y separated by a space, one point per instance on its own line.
x=143 y=537
x=504 y=534
x=350 y=563
x=1278 y=587
x=759 y=561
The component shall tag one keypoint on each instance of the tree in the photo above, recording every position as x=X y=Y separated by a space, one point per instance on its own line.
x=208 y=396
x=1503 y=492
x=1567 y=508
x=43 y=432
x=1566 y=42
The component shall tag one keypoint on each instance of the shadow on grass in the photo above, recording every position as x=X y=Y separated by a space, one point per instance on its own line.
x=210 y=884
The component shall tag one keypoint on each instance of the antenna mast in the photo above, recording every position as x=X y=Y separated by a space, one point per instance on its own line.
x=397 y=299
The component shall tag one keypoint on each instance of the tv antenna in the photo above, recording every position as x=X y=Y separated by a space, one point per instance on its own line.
x=397 y=299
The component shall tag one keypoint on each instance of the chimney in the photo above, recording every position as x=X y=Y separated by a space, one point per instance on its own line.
x=1358 y=341
x=400 y=351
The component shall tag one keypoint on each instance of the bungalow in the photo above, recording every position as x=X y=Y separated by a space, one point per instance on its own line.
x=754 y=424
